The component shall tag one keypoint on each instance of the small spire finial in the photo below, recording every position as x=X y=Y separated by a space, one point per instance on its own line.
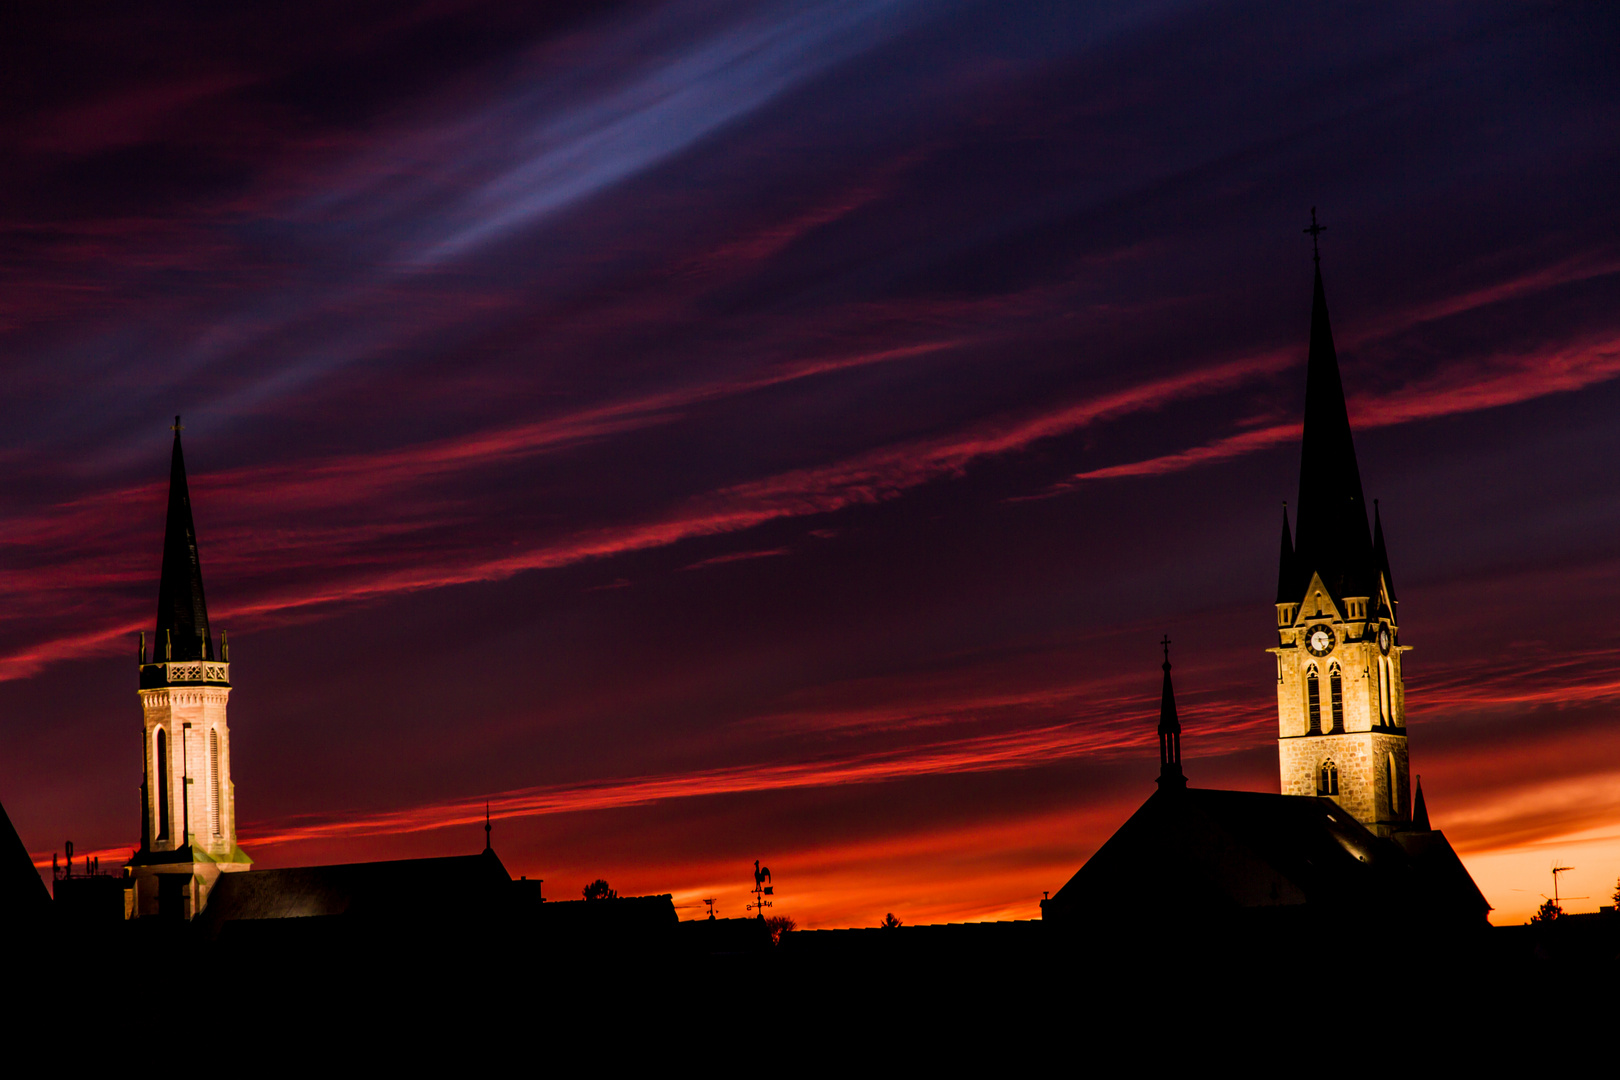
x=487 y=845
x=1170 y=775
x=1315 y=230
x=177 y=427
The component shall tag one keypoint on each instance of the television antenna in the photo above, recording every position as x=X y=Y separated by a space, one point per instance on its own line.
x=1556 y=870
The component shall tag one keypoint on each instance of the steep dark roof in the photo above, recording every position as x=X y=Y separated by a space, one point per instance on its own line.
x=1286 y=591
x=23 y=898
x=1381 y=553
x=405 y=889
x=1206 y=852
x=182 y=621
x=1330 y=530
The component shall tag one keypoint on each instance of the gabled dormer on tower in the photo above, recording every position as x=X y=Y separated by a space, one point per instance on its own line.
x=188 y=806
x=1340 y=703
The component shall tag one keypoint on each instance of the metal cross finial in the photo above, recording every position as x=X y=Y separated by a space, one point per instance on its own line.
x=176 y=427
x=1315 y=230
x=1166 y=644
x=487 y=846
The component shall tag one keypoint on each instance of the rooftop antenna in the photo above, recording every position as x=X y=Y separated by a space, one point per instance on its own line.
x=1315 y=230
x=762 y=874
x=1556 y=870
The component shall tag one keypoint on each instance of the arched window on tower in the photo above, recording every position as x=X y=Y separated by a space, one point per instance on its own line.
x=213 y=780
x=1336 y=697
x=1327 y=781
x=162 y=755
x=1386 y=708
x=1313 y=702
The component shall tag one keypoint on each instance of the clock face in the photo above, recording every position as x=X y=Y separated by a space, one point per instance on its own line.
x=1319 y=640
x=1383 y=640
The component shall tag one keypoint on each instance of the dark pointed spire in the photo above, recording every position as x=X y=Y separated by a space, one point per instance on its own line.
x=1330 y=522
x=1170 y=774
x=1420 y=811
x=1287 y=585
x=182 y=622
x=1380 y=554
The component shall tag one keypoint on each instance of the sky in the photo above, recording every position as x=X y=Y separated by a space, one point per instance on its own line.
x=711 y=431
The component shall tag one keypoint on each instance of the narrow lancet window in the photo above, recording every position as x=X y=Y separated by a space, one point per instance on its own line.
x=1394 y=788
x=162 y=785
x=213 y=781
x=1336 y=693
x=1313 y=702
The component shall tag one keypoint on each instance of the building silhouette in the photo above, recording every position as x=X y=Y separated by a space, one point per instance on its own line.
x=1344 y=846
x=1340 y=840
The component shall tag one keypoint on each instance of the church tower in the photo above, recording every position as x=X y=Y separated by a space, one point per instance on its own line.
x=1341 y=707
x=188 y=804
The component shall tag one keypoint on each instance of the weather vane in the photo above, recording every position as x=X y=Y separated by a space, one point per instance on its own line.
x=1315 y=230
x=762 y=874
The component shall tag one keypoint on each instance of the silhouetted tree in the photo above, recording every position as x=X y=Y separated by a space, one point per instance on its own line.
x=779 y=925
x=599 y=890
x=890 y=922
x=1617 y=895
x=1547 y=913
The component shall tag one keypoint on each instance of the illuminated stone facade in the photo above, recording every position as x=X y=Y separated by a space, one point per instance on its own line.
x=1341 y=708
x=190 y=813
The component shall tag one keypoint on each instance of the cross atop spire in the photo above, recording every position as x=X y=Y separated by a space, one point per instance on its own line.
x=1315 y=231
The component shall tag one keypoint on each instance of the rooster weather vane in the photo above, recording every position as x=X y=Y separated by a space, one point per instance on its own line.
x=762 y=874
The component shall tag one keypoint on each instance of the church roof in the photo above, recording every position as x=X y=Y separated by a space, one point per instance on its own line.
x=1331 y=537
x=23 y=899
x=1200 y=852
x=182 y=621
x=400 y=890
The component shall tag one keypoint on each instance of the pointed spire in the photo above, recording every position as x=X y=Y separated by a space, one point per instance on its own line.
x=1420 y=811
x=1286 y=578
x=1330 y=524
x=1380 y=554
x=182 y=622
x=1170 y=775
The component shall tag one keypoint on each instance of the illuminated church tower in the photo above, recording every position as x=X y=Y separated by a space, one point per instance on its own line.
x=1340 y=703
x=188 y=805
